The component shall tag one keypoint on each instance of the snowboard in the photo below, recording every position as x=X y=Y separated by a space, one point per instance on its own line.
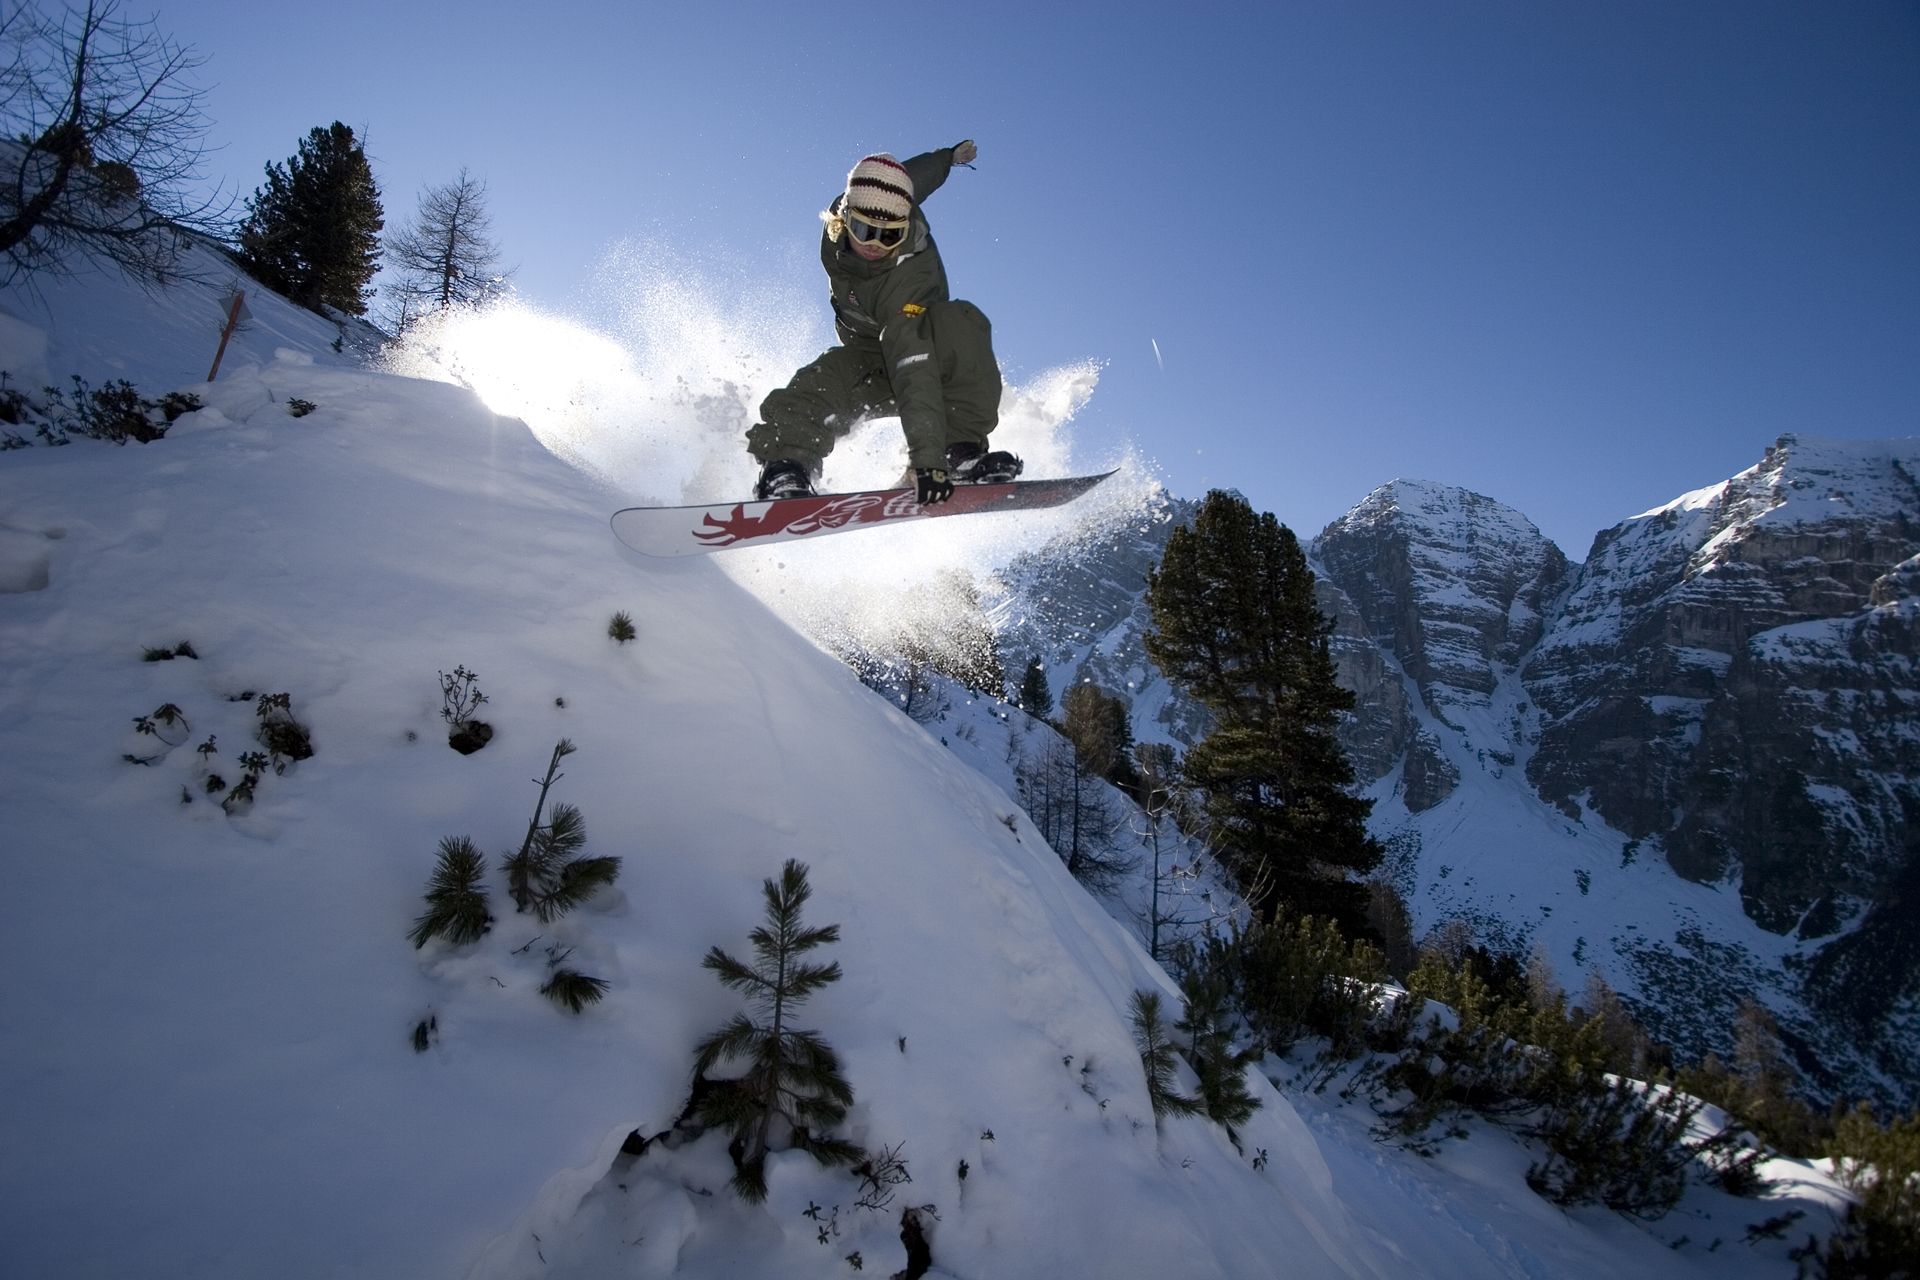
x=686 y=531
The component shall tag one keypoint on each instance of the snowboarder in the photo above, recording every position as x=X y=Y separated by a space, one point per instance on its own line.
x=905 y=346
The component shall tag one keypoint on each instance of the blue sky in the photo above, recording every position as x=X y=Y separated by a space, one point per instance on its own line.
x=1578 y=257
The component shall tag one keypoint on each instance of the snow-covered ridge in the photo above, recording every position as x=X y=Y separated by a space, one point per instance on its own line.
x=1804 y=479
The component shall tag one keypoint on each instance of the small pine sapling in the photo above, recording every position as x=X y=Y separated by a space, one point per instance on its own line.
x=621 y=628
x=1159 y=1061
x=549 y=877
x=298 y=408
x=456 y=902
x=1221 y=1069
x=793 y=1078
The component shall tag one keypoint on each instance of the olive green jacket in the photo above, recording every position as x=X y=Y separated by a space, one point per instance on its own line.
x=880 y=309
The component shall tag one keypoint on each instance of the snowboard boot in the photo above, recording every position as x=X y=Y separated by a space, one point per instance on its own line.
x=783 y=478
x=970 y=463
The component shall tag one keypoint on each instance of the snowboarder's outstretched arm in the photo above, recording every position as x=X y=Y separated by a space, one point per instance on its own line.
x=930 y=169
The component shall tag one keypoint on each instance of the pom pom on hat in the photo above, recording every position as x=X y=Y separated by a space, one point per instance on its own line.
x=880 y=188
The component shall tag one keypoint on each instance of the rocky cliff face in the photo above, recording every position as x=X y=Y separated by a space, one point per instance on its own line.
x=1733 y=675
x=1452 y=587
x=1452 y=584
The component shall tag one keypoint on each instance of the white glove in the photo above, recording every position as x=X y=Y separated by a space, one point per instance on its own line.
x=964 y=152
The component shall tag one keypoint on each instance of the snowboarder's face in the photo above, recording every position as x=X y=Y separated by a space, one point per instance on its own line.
x=873 y=238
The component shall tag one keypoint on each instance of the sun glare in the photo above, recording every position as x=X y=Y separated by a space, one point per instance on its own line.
x=522 y=362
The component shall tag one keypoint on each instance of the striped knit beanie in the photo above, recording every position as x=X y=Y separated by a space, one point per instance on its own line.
x=880 y=188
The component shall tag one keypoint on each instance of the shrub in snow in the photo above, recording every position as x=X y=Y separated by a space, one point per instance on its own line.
x=176 y=404
x=1880 y=1163
x=1296 y=976
x=253 y=764
x=300 y=408
x=167 y=723
x=1447 y=1069
x=880 y=1173
x=793 y=1088
x=460 y=699
x=425 y=1032
x=456 y=902
x=1620 y=1144
x=284 y=737
x=14 y=406
x=621 y=627
x=1158 y=1059
x=117 y=412
x=181 y=650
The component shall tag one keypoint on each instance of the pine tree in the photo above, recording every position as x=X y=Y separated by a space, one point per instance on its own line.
x=549 y=876
x=456 y=904
x=793 y=1078
x=1880 y=1163
x=1222 y=1069
x=1100 y=727
x=446 y=257
x=1158 y=1059
x=312 y=231
x=1035 y=698
x=1237 y=626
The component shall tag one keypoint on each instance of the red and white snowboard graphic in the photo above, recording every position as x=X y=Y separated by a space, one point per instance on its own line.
x=686 y=531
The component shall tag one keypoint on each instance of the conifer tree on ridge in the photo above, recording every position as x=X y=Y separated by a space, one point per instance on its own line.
x=1236 y=625
x=312 y=231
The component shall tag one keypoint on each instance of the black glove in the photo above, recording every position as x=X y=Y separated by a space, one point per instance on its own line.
x=931 y=486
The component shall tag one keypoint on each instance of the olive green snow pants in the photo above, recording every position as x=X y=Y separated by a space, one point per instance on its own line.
x=847 y=385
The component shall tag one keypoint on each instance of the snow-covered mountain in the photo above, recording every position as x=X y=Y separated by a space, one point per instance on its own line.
x=222 y=1057
x=1690 y=756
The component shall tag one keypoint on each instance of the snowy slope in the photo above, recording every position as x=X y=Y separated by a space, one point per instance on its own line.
x=208 y=1070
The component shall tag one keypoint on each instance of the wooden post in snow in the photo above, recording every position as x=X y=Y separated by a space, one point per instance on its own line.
x=236 y=312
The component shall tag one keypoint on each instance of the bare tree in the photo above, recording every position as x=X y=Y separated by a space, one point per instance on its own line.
x=446 y=256
x=1075 y=811
x=104 y=136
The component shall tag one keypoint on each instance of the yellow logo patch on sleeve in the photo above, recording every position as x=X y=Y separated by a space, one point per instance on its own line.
x=913 y=309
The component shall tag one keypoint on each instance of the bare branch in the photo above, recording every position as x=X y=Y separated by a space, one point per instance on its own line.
x=104 y=136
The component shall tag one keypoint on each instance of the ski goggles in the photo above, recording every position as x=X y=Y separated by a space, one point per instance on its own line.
x=875 y=230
